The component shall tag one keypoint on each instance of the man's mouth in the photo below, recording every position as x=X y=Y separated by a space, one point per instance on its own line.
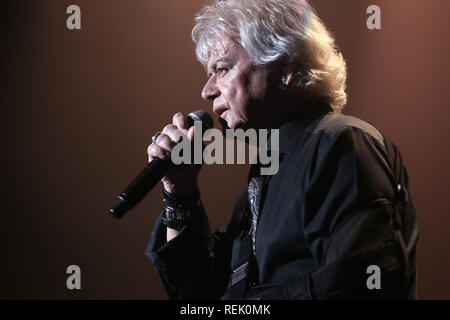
x=222 y=114
x=220 y=110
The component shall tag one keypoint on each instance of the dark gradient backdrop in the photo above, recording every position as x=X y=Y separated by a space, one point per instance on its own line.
x=79 y=108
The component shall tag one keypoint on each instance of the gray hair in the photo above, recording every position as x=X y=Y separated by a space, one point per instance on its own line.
x=287 y=31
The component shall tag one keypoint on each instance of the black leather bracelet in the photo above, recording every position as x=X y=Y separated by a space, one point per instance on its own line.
x=176 y=211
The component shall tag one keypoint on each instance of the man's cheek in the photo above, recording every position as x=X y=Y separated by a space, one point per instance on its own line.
x=227 y=95
x=233 y=91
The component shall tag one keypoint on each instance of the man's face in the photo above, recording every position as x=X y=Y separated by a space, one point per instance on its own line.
x=238 y=89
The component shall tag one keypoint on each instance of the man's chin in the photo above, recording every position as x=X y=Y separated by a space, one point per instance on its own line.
x=226 y=125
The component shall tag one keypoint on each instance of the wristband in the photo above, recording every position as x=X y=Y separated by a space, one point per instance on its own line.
x=176 y=211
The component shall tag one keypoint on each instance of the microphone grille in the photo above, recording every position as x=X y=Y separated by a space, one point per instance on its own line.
x=203 y=116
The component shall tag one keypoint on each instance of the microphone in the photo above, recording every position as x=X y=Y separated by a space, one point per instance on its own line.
x=152 y=173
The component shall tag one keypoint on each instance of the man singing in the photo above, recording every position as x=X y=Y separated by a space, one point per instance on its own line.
x=335 y=222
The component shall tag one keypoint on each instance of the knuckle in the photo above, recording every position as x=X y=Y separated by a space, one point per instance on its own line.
x=153 y=149
x=150 y=148
x=164 y=140
x=168 y=128
x=178 y=115
x=160 y=138
x=156 y=150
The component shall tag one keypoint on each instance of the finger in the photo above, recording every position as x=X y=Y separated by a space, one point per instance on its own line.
x=191 y=133
x=180 y=121
x=165 y=142
x=173 y=132
x=155 y=151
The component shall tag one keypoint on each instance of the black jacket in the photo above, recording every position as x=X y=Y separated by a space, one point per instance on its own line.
x=338 y=204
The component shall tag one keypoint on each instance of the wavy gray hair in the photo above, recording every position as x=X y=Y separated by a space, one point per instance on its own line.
x=287 y=31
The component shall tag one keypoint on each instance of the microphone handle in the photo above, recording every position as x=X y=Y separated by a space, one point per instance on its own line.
x=140 y=186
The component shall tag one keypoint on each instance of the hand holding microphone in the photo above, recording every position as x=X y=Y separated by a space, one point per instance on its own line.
x=180 y=180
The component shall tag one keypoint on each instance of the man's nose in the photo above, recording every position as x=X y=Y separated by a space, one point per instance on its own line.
x=210 y=90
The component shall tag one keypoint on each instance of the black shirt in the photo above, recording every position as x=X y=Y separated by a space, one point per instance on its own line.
x=327 y=215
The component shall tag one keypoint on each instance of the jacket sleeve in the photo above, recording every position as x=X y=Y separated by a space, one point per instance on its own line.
x=348 y=218
x=350 y=227
x=190 y=265
x=183 y=263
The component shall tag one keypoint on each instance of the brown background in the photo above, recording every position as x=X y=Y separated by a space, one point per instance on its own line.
x=79 y=108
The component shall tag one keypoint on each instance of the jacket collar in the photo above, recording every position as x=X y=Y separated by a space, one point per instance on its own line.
x=293 y=130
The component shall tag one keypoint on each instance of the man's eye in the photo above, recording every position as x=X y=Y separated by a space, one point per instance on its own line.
x=222 y=70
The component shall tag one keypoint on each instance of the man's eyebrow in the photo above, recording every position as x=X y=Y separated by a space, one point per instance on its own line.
x=223 y=59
